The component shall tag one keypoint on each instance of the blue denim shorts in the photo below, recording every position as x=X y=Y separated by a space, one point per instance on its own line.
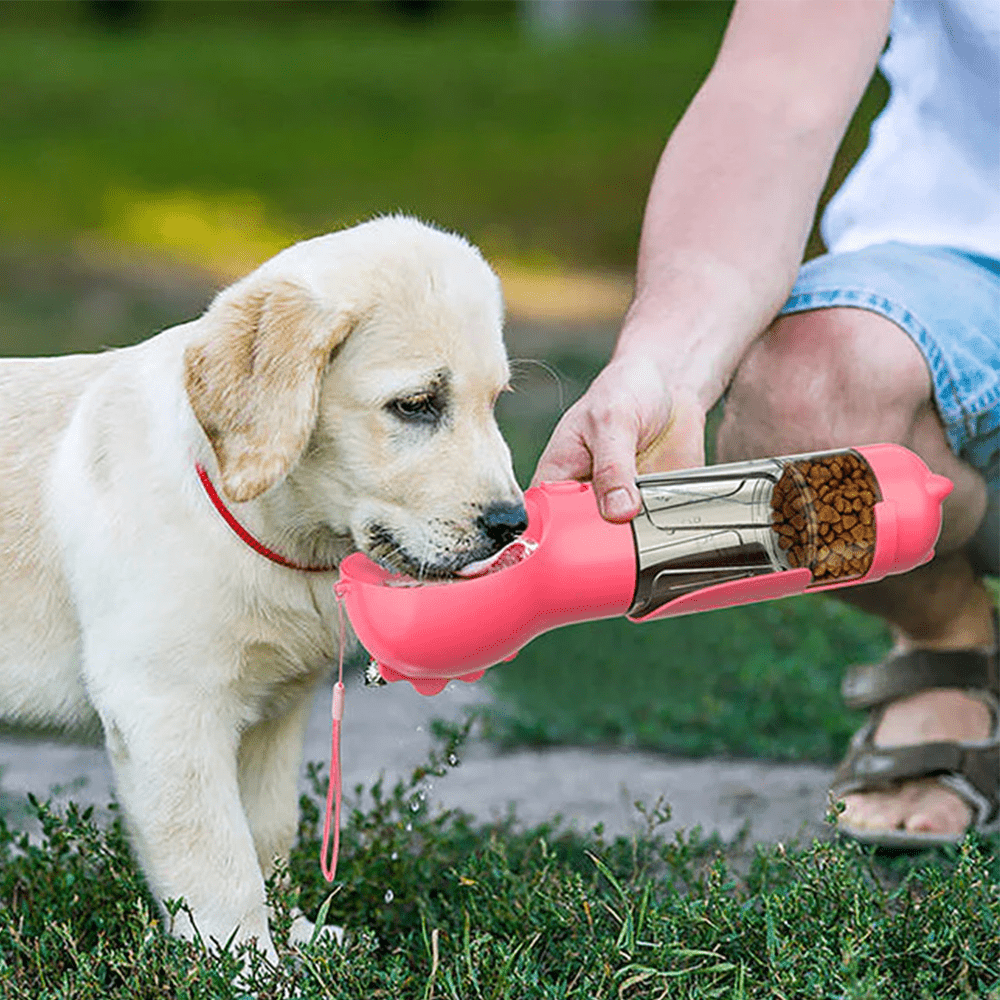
x=948 y=302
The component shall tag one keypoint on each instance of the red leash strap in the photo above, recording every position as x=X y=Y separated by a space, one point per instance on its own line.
x=333 y=788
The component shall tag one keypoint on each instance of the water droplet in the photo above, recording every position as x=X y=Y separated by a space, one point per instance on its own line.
x=389 y=895
x=395 y=855
x=453 y=760
x=409 y=828
x=415 y=803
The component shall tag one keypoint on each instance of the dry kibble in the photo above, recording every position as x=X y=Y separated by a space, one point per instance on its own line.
x=823 y=515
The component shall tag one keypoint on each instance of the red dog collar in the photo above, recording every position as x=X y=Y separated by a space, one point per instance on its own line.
x=244 y=535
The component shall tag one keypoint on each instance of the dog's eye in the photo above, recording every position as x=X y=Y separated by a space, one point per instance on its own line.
x=421 y=408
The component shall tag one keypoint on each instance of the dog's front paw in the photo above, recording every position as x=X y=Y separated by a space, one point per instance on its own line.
x=303 y=930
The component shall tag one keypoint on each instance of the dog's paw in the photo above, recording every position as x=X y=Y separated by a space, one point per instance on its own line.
x=303 y=929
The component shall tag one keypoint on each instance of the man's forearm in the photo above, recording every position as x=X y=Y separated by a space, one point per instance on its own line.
x=734 y=194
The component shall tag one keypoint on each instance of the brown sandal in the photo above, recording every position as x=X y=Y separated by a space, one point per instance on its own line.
x=972 y=770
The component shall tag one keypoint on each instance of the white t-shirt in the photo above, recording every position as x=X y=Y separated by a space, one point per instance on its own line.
x=931 y=172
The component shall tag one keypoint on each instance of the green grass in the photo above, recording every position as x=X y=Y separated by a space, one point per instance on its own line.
x=437 y=906
x=759 y=681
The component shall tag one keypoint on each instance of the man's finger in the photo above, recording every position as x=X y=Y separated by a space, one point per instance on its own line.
x=614 y=470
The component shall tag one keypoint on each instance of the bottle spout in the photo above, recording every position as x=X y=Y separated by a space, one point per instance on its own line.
x=938 y=487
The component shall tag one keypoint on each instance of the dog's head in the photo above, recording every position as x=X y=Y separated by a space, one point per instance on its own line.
x=358 y=372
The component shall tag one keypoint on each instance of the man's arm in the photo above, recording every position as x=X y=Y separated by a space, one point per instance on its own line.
x=726 y=222
x=734 y=195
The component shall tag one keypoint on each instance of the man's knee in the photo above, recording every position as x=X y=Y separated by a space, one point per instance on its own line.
x=824 y=379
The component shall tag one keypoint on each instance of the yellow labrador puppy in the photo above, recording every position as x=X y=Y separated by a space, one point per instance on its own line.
x=339 y=397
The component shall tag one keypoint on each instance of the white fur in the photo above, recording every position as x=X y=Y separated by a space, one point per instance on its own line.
x=125 y=599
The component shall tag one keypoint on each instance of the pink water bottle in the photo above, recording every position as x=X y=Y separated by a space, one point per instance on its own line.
x=705 y=538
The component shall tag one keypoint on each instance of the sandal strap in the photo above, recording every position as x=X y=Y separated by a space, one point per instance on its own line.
x=972 y=770
x=868 y=768
x=907 y=673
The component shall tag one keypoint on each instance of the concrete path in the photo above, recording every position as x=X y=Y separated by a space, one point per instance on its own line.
x=387 y=730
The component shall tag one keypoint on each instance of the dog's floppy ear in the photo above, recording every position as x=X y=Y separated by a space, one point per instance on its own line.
x=254 y=379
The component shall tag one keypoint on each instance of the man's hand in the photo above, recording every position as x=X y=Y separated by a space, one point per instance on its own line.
x=628 y=422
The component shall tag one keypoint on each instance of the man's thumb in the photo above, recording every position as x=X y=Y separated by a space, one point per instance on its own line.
x=614 y=479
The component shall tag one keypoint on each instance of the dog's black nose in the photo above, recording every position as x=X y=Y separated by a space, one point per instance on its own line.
x=503 y=522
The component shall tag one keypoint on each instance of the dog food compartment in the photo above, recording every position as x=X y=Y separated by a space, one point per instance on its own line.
x=702 y=527
x=823 y=510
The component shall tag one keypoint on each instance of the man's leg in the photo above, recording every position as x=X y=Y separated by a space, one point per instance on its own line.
x=836 y=377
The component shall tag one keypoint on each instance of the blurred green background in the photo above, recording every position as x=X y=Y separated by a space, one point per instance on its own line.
x=293 y=118
x=152 y=151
